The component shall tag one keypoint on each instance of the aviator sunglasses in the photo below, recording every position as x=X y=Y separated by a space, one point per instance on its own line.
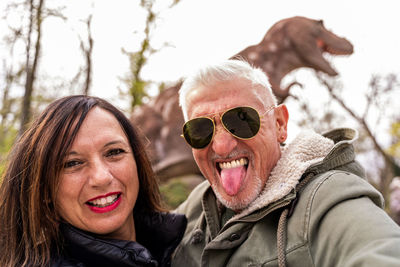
x=241 y=122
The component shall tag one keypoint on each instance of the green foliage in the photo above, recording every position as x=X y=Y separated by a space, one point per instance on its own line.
x=137 y=86
x=6 y=141
x=394 y=149
x=174 y=192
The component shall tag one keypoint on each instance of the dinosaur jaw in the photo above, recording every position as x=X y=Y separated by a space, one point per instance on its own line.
x=348 y=50
x=320 y=60
x=329 y=43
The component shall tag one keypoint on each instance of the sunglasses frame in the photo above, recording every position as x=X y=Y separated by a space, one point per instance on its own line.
x=212 y=119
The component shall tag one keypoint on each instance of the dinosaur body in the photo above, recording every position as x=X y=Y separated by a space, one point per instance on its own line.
x=289 y=44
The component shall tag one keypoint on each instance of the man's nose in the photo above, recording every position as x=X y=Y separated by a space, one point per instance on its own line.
x=100 y=174
x=223 y=142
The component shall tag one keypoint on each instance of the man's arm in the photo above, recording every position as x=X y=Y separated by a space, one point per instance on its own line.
x=348 y=227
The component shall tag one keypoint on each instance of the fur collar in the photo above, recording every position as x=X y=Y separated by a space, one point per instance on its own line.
x=305 y=150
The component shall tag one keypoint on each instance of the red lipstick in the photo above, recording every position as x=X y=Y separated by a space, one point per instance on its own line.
x=108 y=208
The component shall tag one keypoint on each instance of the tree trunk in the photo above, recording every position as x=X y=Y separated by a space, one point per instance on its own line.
x=88 y=56
x=31 y=67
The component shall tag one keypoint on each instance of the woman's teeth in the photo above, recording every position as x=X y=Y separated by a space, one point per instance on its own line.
x=104 y=201
x=233 y=163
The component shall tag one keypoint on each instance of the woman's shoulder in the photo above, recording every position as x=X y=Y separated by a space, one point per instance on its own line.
x=61 y=260
x=81 y=249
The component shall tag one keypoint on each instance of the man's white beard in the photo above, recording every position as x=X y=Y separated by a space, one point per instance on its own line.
x=239 y=205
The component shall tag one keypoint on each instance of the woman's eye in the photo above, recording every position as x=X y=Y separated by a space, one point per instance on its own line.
x=71 y=163
x=115 y=152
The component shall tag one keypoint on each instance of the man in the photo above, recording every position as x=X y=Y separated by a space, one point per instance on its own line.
x=265 y=204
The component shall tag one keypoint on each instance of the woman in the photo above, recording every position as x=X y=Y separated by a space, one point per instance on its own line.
x=79 y=190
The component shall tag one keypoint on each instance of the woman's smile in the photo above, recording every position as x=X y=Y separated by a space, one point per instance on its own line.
x=102 y=204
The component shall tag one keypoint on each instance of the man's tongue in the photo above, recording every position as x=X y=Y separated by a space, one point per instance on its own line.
x=231 y=179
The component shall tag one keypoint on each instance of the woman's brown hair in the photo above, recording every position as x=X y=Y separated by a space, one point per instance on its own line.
x=29 y=222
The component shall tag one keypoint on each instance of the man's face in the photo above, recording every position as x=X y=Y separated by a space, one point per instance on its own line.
x=237 y=169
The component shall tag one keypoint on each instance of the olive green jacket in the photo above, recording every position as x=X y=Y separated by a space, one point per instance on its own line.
x=330 y=216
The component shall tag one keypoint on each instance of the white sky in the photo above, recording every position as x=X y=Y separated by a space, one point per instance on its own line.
x=216 y=29
x=209 y=30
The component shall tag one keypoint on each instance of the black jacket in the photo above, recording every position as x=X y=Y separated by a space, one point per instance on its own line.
x=157 y=236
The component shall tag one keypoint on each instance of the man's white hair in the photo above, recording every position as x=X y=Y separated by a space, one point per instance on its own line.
x=223 y=71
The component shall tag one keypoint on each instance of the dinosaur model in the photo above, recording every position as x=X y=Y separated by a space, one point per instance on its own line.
x=295 y=43
x=289 y=44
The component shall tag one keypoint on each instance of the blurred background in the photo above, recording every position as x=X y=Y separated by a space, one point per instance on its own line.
x=131 y=52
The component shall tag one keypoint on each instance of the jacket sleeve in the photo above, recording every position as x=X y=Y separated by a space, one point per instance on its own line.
x=347 y=225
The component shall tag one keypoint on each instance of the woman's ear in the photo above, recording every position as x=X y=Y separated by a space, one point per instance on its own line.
x=281 y=117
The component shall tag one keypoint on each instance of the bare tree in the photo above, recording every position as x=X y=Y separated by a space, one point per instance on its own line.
x=378 y=97
x=30 y=32
x=8 y=117
x=12 y=74
x=86 y=47
x=32 y=50
x=87 y=51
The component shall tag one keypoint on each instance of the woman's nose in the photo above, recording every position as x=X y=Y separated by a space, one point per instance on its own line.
x=100 y=174
x=223 y=142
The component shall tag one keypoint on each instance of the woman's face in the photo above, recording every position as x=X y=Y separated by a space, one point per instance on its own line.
x=99 y=181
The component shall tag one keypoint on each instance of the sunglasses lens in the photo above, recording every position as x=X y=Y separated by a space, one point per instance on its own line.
x=198 y=132
x=242 y=122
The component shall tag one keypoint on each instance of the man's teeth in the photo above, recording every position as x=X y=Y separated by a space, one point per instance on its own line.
x=104 y=201
x=233 y=163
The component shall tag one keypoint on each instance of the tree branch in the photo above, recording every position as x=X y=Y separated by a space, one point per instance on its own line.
x=388 y=158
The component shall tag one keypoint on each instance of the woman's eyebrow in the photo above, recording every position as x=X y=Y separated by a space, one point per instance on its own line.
x=115 y=142
x=106 y=145
x=72 y=153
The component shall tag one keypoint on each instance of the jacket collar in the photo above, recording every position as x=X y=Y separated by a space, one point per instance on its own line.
x=158 y=234
x=308 y=152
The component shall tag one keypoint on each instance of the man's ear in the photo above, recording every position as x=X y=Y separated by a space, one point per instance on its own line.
x=281 y=117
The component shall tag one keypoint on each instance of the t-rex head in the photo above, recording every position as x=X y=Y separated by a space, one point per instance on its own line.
x=293 y=43
x=310 y=39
